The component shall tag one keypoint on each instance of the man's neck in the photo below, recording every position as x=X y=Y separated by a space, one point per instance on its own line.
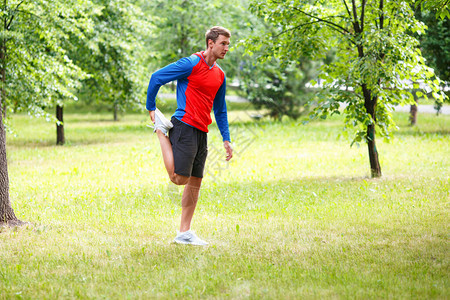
x=209 y=58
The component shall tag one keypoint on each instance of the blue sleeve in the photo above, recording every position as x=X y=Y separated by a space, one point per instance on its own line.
x=220 y=111
x=174 y=71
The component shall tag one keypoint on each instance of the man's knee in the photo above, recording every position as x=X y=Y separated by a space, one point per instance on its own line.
x=195 y=182
x=179 y=179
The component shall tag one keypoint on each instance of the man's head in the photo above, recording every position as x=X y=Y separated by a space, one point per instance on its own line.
x=217 y=40
x=214 y=32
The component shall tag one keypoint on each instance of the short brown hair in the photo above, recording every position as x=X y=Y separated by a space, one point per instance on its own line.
x=214 y=32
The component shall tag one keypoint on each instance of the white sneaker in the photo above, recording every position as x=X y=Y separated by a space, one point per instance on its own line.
x=161 y=122
x=189 y=238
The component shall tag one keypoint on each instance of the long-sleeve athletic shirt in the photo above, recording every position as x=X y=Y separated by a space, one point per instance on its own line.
x=200 y=89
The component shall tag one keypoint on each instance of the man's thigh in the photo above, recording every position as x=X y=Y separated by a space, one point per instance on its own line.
x=184 y=147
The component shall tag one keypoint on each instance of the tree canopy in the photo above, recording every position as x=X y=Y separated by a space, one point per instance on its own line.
x=36 y=68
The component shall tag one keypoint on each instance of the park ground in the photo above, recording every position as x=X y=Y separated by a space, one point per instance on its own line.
x=293 y=215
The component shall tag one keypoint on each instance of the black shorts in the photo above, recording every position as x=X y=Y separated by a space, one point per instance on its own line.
x=190 y=148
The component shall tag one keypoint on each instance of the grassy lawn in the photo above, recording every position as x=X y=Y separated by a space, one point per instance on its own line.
x=294 y=215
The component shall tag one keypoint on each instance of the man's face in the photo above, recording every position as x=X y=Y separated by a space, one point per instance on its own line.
x=220 y=47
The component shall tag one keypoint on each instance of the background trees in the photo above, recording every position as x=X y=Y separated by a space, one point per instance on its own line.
x=114 y=55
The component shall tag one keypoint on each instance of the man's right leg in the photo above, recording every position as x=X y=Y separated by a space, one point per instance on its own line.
x=189 y=202
x=166 y=149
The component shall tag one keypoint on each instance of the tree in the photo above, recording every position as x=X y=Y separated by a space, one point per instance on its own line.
x=35 y=69
x=375 y=56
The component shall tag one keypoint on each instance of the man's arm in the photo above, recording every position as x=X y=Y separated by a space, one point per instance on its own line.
x=220 y=112
x=174 y=71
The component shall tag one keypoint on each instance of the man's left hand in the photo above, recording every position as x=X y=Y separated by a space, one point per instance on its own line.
x=228 y=149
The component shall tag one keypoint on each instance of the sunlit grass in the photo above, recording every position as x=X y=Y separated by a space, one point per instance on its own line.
x=294 y=215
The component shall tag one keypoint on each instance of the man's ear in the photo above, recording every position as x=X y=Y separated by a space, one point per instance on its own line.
x=210 y=42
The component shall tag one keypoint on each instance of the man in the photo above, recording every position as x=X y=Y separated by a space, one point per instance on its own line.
x=201 y=87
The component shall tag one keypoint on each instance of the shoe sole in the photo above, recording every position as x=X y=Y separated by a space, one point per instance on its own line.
x=187 y=243
x=163 y=119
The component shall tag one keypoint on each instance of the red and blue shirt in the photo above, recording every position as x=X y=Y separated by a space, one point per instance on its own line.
x=200 y=89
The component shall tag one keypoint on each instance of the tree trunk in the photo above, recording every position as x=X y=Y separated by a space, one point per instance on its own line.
x=413 y=111
x=370 y=104
x=3 y=76
x=115 y=112
x=375 y=168
x=59 y=125
x=7 y=215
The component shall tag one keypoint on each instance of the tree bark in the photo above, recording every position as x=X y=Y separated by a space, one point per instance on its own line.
x=60 y=140
x=116 y=118
x=7 y=215
x=375 y=168
x=370 y=104
x=3 y=72
x=413 y=111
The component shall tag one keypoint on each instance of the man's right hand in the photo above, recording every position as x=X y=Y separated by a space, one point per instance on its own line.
x=152 y=115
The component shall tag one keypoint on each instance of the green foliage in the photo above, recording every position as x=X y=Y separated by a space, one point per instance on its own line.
x=439 y=7
x=435 y=43
x=37 y=69
x=58 y=50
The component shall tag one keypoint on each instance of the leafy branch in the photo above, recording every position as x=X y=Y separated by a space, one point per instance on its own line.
x=329 y=23
x=305 y=24
x=8 y=26
x=348 y=10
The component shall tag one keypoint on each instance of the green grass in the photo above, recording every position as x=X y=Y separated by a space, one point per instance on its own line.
x=294 y=215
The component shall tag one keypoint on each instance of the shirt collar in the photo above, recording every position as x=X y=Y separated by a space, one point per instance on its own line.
x=201 y=55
